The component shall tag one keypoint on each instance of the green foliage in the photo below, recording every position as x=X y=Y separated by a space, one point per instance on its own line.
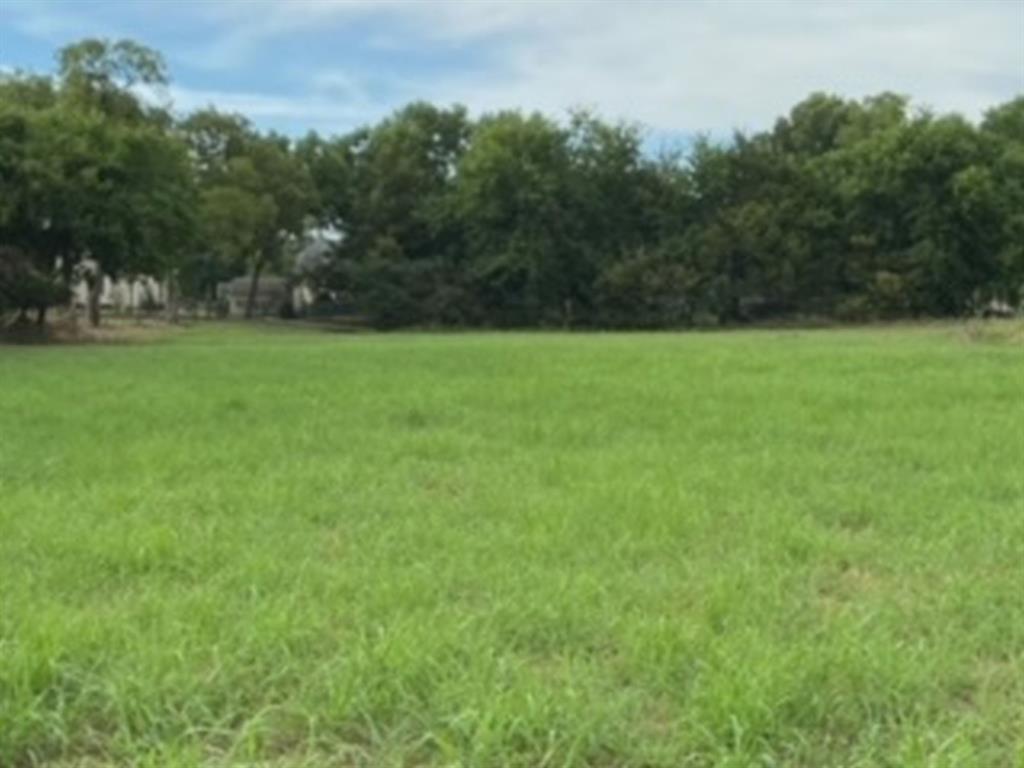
x=232 y=218
x=922 y=201
x=24 y=286
x=115 y=65
x=845 y=208
x=1006 y=120
x=101 y=75
x=256 y=194
x=649 y=290
x=215 y=139
x=400 y=180
x=514 y=196
x=90 y=172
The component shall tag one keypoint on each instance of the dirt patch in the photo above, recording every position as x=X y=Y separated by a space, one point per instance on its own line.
x=845 y=585
x=70 y=331
x=994 y=332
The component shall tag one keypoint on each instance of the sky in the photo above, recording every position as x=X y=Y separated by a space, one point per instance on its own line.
x=679 y=68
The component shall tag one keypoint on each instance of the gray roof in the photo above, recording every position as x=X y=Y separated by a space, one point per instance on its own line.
x=239 y=286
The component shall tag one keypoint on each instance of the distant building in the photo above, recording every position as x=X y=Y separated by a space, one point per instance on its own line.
x=292 y=295
x=998 y=308
x=273 y=295
x=123 y=294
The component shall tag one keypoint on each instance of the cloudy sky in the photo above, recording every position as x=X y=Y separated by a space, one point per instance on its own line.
x=678 y=67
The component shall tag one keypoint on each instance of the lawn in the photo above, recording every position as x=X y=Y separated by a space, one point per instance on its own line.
x=288 y=548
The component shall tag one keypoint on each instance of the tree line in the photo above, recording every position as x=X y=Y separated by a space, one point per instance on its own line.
x=846 y=209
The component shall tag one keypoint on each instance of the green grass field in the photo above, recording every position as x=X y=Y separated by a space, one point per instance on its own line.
x=237 y=547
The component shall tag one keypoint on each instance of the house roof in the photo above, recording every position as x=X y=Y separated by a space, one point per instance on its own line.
x=239 y=286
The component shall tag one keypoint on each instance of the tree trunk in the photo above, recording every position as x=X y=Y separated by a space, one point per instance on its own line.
x=94 y=283
x=254 y=285
x=172 y=297
x=41 y=315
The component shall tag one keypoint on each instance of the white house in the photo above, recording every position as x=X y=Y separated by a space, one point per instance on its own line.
x=123 y=294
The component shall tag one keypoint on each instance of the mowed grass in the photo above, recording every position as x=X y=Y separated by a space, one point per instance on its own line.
x=237 y=547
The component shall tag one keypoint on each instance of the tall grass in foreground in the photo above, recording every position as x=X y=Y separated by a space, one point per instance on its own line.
x=745 y=549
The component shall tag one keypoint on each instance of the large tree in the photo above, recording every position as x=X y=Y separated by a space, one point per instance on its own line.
x=515 y=197
x=256 y=194
x=389 y=191
x=402 y=175
x=851 y=208
x=92 y=175
x=1005 y=125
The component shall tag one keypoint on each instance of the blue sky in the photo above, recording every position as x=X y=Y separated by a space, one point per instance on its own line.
x=677 y=67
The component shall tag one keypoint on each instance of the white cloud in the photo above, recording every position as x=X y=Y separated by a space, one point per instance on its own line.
x=676 y=66
x=320 y=113
x=679 y=66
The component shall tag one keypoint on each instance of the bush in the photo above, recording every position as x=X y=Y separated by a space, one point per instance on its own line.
x=24 y=286
x=855 y=309
x=647 y=290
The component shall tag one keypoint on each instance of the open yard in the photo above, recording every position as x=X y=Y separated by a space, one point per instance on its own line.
x=773 y=548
